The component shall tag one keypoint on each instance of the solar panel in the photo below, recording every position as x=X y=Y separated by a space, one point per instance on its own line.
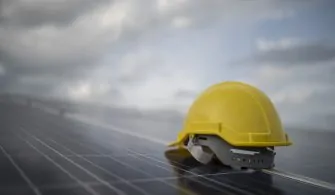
x=45 y=154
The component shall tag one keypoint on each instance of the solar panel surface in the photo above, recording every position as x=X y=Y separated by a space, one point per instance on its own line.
x=46 y=154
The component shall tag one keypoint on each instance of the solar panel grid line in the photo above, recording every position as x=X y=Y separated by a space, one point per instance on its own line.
x=52 y=123
x=118 y=191
x=186 y=191
x=305 y=180
x=231 y=187
x=173 y=161
x=263 y=184
x=297 y=178
x=99 y=154
x=103 y=169
x=140 y=136
x=172 y=178
x=23 y=188
x=133 y=181
x=143 y=172
x=212 y=186
x=165 y=178
x=282 y=188
x=202 y=176
x=63 y=186
x=69 y=156
x=207 y=184
x=58 y=124
x=230 y=173
x=255 y=180
x=220 y=183
x=195 y=176
x=80 y=124
x=75 y=141
x=190 y=172
x=82 y=184
x=21 y=172
x=87 y=127
x=300 y=179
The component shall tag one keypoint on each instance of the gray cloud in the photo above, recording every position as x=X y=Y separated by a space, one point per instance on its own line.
x=298 y=55
x=116 y=51
x=5 y=82
x=315 y=111
x=34 y=76
x=64 y=70
x=181 y=94
x=300 y=81
x=40 y=39
x=28 y=14
x=69 y=39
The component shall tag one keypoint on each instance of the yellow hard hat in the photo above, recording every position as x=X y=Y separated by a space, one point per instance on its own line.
x=236 y=112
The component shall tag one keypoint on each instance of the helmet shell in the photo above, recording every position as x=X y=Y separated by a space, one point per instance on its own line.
x=237 y=112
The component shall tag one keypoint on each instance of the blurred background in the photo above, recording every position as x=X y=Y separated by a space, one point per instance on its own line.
x=140 y=64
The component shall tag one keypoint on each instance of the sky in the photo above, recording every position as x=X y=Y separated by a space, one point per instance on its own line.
x=160 y=54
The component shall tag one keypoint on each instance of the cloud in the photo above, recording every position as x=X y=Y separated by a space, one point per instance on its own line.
x=308 y=106
x=34 y=13
x=290 y=51
x=66 y=41
x=62 y=54
x=91 y=24
x=181 y=22
x=186 y=94
x=153 y=54
x=157 y=92
x=297 y=75
x=2 y=70
x=301 y=94
x=282 y=44
x=281 y=14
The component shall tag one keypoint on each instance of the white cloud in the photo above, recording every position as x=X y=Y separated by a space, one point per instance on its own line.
x=138 y=62
x=143 y=78
x=298 y=92
x=270 y=77
x=290 y=83
x=165 y=6
x=295 y=94
x=282 y=44
x=88 y=90
x=273 y=72
x=80 y=92
x=181 y=22
x=158 y=92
